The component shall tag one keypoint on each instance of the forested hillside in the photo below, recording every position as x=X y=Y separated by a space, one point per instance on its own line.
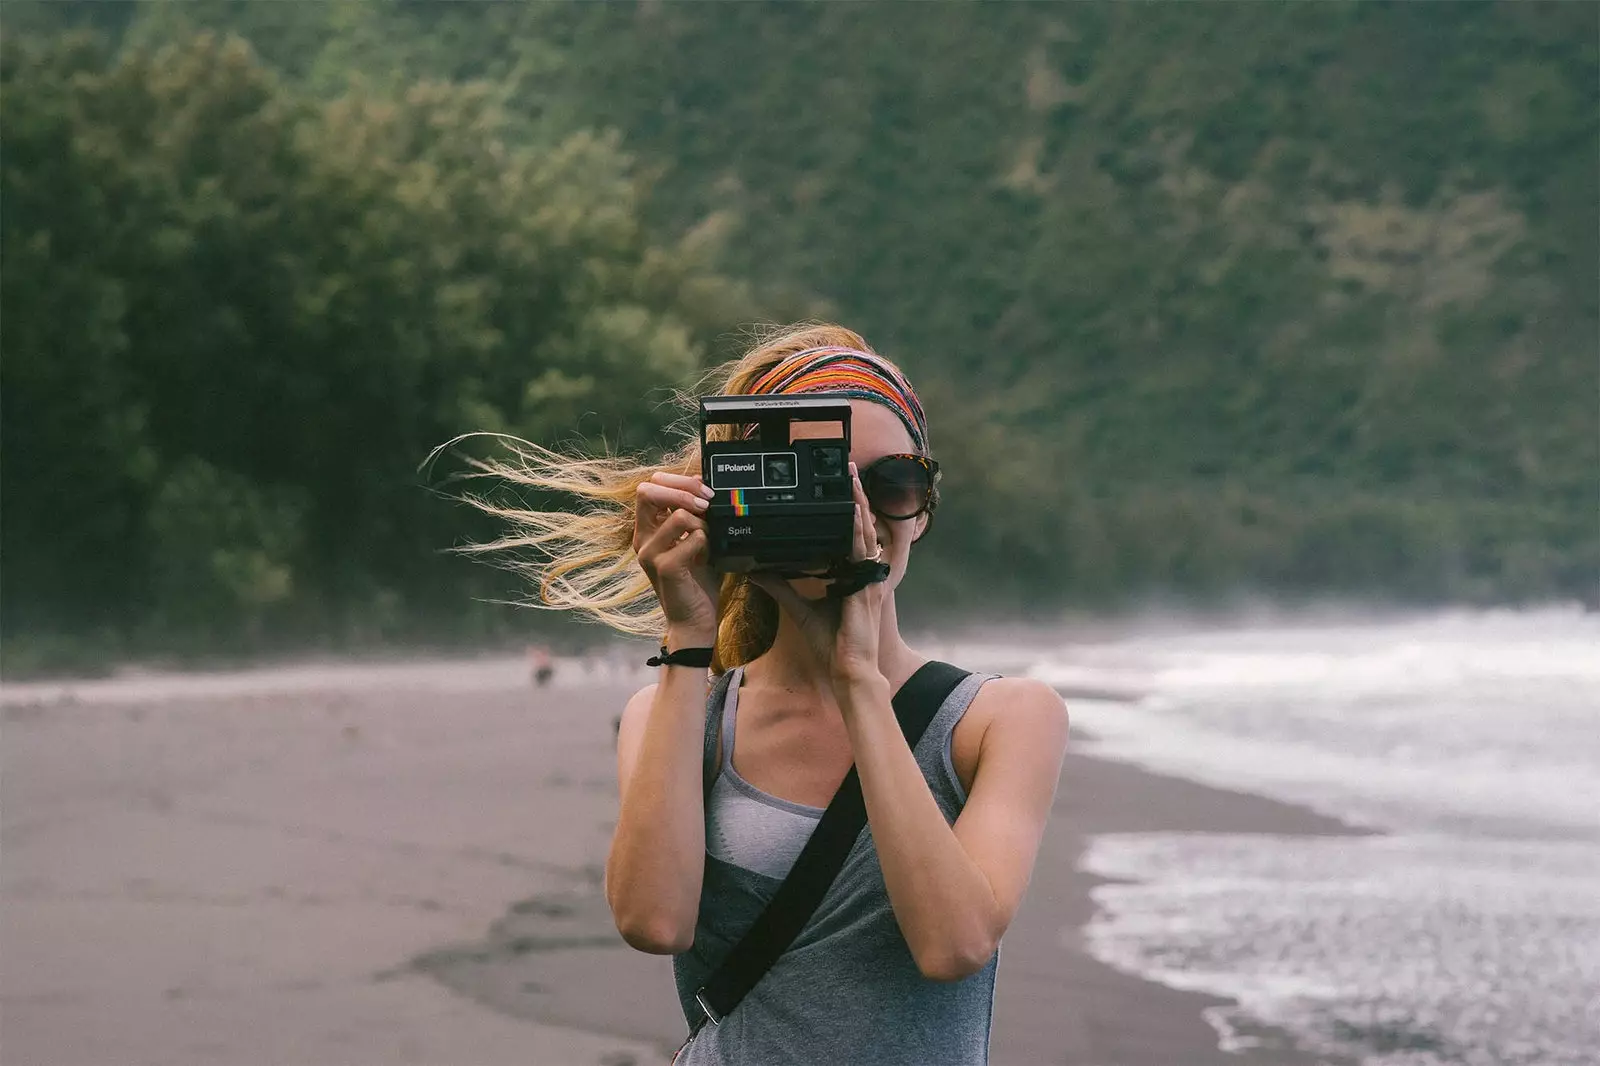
x=1203 y=298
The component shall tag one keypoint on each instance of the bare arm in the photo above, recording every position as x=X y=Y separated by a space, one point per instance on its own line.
x=658 y=849
x=956 y=889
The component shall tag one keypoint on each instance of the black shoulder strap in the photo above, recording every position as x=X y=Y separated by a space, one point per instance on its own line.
x=915 y=705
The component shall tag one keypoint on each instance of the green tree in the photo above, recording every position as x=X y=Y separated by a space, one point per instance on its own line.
x=290 y=302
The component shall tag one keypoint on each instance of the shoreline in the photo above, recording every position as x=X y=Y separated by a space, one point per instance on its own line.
x=75 y=661
x=1159 y=1025
x=402 y=871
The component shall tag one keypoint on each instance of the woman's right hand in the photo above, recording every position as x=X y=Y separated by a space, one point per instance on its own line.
x=670 y=539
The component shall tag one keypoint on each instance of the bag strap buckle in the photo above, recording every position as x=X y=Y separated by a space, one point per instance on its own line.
x=711 y=1015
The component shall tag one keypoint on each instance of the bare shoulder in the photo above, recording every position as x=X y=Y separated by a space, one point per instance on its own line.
x=1021 y=700
x=630 y=726
x=1009 y=715
x=638 y=705
x=1021 y=709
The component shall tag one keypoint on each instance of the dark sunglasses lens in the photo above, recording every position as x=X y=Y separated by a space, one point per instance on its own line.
x=897 y=488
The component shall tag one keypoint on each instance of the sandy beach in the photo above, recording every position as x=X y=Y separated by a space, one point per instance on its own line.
x=401 y=864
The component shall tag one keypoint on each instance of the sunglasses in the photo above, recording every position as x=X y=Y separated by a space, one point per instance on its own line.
x=900 y=486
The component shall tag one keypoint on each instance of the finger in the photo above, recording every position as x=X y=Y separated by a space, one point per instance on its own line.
x=652 y=505
x=686 y=482
x=865 y=541
x=685 y=554
x=663 y=496
x=647 y=516
x=674 y=528
x=874 y=546
x=667 y=535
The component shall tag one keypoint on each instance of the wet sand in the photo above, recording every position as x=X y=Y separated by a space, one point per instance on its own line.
x=402 y=865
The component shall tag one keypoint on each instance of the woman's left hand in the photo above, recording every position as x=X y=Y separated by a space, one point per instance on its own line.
x=841 y=632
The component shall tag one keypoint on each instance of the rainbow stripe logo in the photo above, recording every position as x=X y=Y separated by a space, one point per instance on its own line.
x=740 y=507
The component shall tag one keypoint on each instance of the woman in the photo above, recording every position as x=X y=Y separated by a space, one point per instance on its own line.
x=898 y=963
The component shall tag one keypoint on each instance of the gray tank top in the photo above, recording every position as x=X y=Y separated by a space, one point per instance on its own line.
x=847 y=991
x=746 y=827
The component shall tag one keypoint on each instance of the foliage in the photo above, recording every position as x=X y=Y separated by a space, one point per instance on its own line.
x=237 y=317
x=1328 y=260
x=1201 y=297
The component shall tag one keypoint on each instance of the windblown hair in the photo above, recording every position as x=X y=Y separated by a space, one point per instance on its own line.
x=584 y=560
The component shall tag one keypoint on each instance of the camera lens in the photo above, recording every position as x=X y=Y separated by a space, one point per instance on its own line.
x=827 y=462
x=778 y=471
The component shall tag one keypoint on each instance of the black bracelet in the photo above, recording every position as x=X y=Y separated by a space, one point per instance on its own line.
x=682 y=657
x=850 y=578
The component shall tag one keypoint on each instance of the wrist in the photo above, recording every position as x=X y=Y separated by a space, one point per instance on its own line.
x=853 y=686
x=678 y=637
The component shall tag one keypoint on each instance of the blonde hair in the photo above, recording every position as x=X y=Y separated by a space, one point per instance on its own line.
x=584 y=561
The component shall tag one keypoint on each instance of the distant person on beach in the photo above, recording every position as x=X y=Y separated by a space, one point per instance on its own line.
x=540 y=667
x=724 y=775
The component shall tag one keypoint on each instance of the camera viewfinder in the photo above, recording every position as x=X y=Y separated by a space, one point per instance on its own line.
x=827 y=462
x=779 y=470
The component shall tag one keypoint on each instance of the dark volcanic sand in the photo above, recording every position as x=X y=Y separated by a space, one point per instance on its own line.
x=400 y=864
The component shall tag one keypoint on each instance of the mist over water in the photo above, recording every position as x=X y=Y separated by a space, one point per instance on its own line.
x=1470 y=932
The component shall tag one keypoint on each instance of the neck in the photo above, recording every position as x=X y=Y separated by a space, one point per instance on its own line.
x=789 y=664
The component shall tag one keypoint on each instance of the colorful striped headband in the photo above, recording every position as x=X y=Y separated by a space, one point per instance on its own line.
x=859 y=375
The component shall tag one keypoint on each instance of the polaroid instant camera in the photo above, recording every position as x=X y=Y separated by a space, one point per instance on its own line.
x=782 y=492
